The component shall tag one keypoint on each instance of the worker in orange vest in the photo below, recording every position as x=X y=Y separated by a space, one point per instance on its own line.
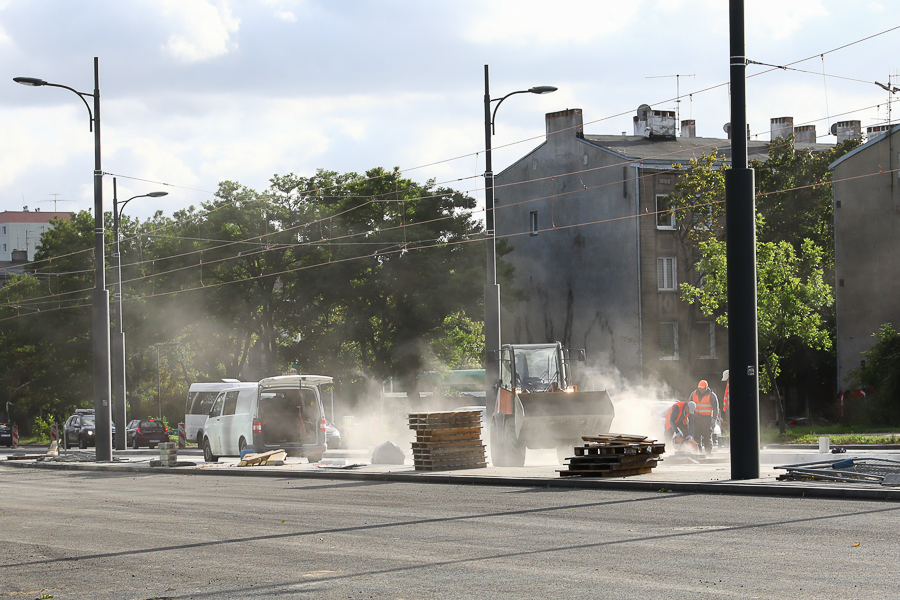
x=677 y=423
x=707 y=413
x=726 y=421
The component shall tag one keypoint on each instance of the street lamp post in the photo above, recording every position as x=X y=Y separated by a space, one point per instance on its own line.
x=158 y=384
x=492 y=288
x=100 y=300
x=118 y=345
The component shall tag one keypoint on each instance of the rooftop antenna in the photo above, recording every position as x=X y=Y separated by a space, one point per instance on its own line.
x=677 y=77
x=54 y=201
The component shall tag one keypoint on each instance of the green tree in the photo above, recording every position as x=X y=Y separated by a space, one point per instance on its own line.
x=880 y=373
x=795 y=260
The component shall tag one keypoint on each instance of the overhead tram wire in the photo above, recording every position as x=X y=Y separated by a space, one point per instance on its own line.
x=603 y=118
x=24 y=304
x=590 y=122
x=314 y=242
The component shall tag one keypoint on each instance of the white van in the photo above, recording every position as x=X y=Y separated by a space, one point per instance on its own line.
x=278 y=413
x=200 y=400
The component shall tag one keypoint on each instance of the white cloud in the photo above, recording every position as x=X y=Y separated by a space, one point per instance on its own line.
x=205 y=29
x=780 y=20
x=529 y=22
x=286 y=15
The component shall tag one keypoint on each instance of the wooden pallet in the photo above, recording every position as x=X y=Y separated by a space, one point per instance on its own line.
x=447 y=440
x=613 y=455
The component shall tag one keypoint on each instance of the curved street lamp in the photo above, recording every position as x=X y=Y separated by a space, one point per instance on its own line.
x=100 y=300
x=491 y=288
x=118 y=350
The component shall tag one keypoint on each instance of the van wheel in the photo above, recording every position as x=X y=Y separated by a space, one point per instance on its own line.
x=314 y=457
x=242 y=445
x=134 y=443
x=200 y=439
x=82 y=443
x=208 y=456
x=65 y=441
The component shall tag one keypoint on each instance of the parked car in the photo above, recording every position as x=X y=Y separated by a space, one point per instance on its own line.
x=6 y=434
x=146 y=432
x=79 y=429
x=332 y=436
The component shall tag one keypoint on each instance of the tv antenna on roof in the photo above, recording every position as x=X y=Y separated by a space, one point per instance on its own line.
x=677 y=77
x=55 y=200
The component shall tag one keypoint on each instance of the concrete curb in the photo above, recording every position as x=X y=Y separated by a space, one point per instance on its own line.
x=823 y=490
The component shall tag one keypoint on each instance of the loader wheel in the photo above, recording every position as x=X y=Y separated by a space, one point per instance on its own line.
x=498 y=449
x=515 y=448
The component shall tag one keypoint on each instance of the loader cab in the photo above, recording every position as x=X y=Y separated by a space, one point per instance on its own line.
x=532 y=368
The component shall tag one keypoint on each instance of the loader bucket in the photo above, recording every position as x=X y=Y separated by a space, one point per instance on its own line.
x=551 y=419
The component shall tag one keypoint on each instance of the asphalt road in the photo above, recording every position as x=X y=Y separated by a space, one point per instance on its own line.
x=70 y=534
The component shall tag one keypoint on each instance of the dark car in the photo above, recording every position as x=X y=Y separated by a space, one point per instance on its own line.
x=79 y=429
x=332 y=436
x=6 y=434
x=146 y=432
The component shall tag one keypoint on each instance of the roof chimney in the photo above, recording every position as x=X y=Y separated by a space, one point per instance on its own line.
x=847 y=130
x=689 y=128
x=876 y=130
x=569 y=120
x=781 y=127
x=805 y=134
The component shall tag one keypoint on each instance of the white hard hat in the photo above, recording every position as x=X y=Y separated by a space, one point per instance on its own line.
x=725 y=375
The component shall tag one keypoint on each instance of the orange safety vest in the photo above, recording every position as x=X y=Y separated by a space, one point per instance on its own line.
x=725 y=398
x=682 y=415
x=704 y=404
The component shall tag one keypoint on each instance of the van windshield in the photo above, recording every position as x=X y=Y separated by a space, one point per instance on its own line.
x=200 y=403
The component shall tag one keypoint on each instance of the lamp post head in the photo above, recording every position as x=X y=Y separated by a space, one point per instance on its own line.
x=30 y=81
x=543 y=89
x=157 y=194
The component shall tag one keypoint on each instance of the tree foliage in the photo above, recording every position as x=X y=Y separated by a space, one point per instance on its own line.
x=359 y=276
x=880 y=373
x=795 y=257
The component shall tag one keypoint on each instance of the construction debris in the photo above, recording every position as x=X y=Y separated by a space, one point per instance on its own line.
x=447 y=440
x=270 y=458
x=845 y=470
x=613 y=455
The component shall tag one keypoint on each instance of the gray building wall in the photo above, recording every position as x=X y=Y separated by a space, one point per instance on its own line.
x=866 y=240
x=581 y=268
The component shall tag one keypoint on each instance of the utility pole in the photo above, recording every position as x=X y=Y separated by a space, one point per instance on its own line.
x=740 y=229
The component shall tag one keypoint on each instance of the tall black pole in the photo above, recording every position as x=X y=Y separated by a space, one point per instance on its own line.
x=100 y=316
x=491 y=288
x=118 y=336
x=740 y=228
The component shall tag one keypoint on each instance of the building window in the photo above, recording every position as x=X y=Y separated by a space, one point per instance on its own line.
x=668 y=341
x=4 y=247
x=665 y=274
x=665 y=217
x=704 y=339
x=534 y=223
x=4 y=230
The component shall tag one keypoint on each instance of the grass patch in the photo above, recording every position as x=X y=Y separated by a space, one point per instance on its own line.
x=839 y=434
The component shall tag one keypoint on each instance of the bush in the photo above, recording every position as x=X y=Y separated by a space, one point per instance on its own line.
x=40 y=432
x=880 y=372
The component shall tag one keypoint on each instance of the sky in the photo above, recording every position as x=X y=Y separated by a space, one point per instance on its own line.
x=195 y=92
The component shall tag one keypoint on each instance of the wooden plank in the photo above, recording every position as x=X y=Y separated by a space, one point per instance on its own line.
x=614 y=459
x=480 y=465
x=623 y=473
x=441 y=439
x=615 y=437
x=612 y=466
x=449 y=443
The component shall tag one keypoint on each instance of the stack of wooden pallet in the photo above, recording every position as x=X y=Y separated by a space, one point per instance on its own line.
x=447 y=440
x=614 y=455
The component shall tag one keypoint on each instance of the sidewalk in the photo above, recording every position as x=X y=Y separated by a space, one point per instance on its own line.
x=675 y=474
